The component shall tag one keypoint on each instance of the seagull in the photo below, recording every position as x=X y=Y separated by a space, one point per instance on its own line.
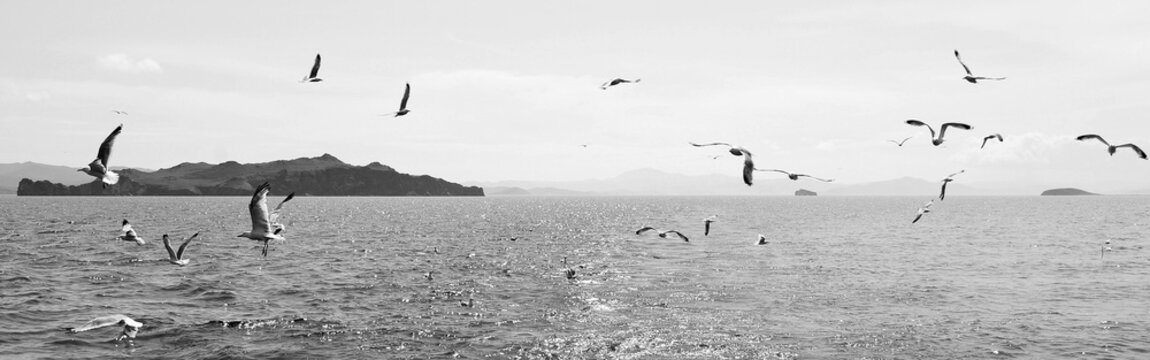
x=942 y=130
x=99 y=167
x=988 y=137
x=403 y=103
x=275 y=214
x=762 y=240
x=177 y=257
x=662 y=234
x=949 y=178
x=617 y=81
x=1105 y=248
x=119 y=112
x=314 y=76
x=794 y=176
x=1112 y=148
x=970 y=77
x=899 y=143
x=131 y=327
x=707 y=224
x=922 y=211
x=130 y=234
x=470 y=303
x=748 y=164
x=261 y=223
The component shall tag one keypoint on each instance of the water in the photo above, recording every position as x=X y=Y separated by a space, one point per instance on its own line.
x=993 y=277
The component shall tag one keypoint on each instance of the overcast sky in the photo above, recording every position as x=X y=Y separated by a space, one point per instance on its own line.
x=510 y=90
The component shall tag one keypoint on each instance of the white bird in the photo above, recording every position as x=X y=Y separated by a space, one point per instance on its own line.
x=988 y=137
x=177 y=257
x=314 y=75
x=662 y=233
x=762 y=240
x=99 y=167
x=942 y=130
x=707 y=224
x=1112 y=148
x=617 y=81
x=1105 y=248
x=949 y=178
x=970 y=77
x=922 y=211
x=129 y=234
x=899 y=143
x=261 y=222
x=794 y=176
x=748 y=163
x=131 y=327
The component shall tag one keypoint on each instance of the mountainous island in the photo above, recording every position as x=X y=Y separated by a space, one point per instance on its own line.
x=319 y=176
x=1066 y=191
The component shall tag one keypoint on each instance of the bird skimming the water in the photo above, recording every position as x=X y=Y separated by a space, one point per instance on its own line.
x=942 y=130
x=1112 y=148
x=988 y=137
x=707 y=224
x=314 y=75
x=922 y=211
x=949 y=178
x=748 y=163
x=794 y=176
x=261 y=222
x=617 y=81
x=662 y=233
x=99 y=167
x=177 y=257
x=970 y=77
x=129 y=233
x=762 y=240
x=131 y=327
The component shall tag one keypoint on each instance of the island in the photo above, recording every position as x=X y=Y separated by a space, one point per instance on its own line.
x=1066 y=191
x=319 y=176
x=805 y=192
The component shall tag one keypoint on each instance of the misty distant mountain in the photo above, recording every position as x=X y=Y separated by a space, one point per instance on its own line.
x=10 y=175
x=322 y=176
x=656 y=182
x=905 y=186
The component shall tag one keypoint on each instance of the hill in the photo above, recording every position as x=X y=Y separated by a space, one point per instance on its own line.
x=10 y=175
x=1066 y=191
x=319 y=176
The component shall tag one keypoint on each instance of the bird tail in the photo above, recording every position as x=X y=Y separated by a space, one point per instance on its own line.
x=111 y=178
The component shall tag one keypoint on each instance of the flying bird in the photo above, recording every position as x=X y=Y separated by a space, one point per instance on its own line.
x=748 y=163
x=762 y=240
x=662 y=234
x=261 y=222
x=314 y=75
x=119 y=112
x=617 y=81
x=970 y=77
x=942 y=130
x=988 y=137
x=794 y=176
x=403 y=103
x=949 y=178
x=131 y=327
x=899 y=143
x=177 y=257
x=922 y=211
x=99 y=167
x=707 y=224
x=1113 y=148
x=130 y=234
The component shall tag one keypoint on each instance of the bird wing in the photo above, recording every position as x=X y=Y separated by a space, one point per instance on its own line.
x=920 y=123
x=125 y=226
x=104 y=321
x=989 y=78
x=406 y=94
x=180 y=252
x=816 y=178
x=984 y=141
x=1092 y=136
x=775 y=170
x=711 y=144
x=942 y=130
x=942 y=194
x=259 y=209
x=679 y=234
x=706 y=228
x=168 y=245
x=281 y=204
x=955 y=174
x=1136 y=149
x=315 y=68
x=748 y=169
x=964 y=67
x=919 y=216
x=106 y=147
x=643 y=230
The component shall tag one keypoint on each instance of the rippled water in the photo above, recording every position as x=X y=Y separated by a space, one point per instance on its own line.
x=1009 y=277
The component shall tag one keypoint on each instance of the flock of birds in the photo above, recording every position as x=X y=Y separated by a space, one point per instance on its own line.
x=265 y=227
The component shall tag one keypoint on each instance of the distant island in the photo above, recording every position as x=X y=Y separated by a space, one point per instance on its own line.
x=1066 y=191
x=319 y=176
x=805 y=192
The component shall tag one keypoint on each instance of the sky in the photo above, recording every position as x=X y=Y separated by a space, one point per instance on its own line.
x=509 y=90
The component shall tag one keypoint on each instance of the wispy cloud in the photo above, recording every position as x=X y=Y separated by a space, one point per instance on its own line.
x=125 y=63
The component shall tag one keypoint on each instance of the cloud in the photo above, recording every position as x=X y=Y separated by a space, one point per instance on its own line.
x=123 y=62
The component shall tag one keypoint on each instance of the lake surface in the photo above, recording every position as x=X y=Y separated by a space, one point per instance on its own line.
x=842 y=278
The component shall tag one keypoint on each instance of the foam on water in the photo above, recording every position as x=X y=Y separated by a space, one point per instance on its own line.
x=1013 y=277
